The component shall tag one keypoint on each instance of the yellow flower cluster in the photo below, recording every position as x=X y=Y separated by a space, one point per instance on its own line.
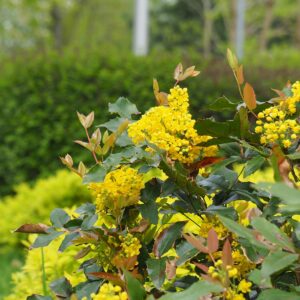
x=120 y=188
x=114 y=249
x=223 y=273
x=290 y=104
x=109 y=291
x=172 y=129
x=130 y=246
x=213 y=222
x=272 y=124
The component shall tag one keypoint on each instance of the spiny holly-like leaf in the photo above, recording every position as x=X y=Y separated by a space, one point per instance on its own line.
x=135 y=289
x=166 y=238
x=45 y=239
x=276 y=262
x=61 y=288
x=253 y=165
x=59 y=217
x=157 y=270
x=33 y=228
x=123 y=107
x=195 y=292
x=249 y=96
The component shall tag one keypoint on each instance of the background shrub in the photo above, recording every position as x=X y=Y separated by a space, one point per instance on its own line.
x=39 y=100
x=34 y=204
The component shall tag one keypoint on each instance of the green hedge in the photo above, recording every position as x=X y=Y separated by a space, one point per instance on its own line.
x=39 y=97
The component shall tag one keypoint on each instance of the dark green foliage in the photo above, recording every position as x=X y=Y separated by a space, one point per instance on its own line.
x=39 y=97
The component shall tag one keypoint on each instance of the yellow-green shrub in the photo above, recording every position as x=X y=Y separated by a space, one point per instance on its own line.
x=29 y=280
x=34 y=204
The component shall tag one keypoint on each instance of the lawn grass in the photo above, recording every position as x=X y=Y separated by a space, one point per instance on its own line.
x=11 y=260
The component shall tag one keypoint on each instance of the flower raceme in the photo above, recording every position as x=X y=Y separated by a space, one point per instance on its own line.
x=120 y=188
x=108 y=291
x=171 y=128
x=273 y=124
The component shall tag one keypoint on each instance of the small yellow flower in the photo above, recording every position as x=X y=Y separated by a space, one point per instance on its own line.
x=244 y=286
x=233 y=272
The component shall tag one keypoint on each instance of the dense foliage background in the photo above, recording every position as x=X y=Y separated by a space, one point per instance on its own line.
x=59 y=57
x=39 y=100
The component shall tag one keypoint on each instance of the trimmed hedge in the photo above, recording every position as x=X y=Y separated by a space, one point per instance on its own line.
x=34 y=204
x=39 y=97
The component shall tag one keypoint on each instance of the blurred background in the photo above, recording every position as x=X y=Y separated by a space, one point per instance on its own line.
x=62 y=56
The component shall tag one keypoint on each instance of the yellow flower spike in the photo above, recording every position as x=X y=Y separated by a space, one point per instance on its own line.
x=172 y=129
x=120 y=188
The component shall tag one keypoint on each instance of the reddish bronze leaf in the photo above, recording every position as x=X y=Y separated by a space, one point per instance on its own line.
x=202 y=267
x=198 y=243
x=212 y=241
x=171 y=269
x=144 y=224
x=226 y=254
x=249 y=96
x=83 y=252
x=240 y=75
x=33 y=228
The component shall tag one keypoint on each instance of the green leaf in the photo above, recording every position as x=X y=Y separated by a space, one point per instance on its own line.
x=123 y=107
x=276 y=294
x=194 y=292
x=244 y=122
x=61 y=287
x=294 y=156
x=274 y=163
x=272 y=233
x=112 y=124
x=59 y=217
x=135 y=289
x=166 y=238
x=45 y=239
x=218 y=129
x=227 y=212
x=222 y=104
x=38 y=297
x=149 y=211
x=242 y=232
x=185 y=251
x=289 y=196
x=67 y=241
x=277 y=261
x=253 y=165
x=157 y=270
x=85 y=289
x=256 y=277
x=97 y=174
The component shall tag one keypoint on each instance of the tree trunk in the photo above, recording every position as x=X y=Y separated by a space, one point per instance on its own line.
x=207 y=28
x=56 y=16
x=297 y=31
x=265 y=32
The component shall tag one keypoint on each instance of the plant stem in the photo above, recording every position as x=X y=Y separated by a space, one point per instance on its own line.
x=89 y=140
x=45 y=292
